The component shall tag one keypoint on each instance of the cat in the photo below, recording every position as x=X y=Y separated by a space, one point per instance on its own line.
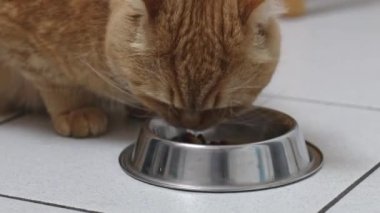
x=193 y=62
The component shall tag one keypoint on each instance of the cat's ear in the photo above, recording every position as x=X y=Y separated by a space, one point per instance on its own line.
x=153 y=7
x=246 y=7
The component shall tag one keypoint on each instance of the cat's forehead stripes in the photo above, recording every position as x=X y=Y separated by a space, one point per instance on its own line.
x=199 y=35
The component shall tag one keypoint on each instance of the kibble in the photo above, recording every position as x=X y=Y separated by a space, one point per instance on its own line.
x=197 y=139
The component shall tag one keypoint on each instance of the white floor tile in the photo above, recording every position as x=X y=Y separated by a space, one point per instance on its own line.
x=15 y=206
x=332 y=56
x=364 y=198
x=37 y=164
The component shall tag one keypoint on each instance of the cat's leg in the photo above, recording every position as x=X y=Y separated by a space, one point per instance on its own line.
x=16 y=94
x=73 y=111
x=5 y=87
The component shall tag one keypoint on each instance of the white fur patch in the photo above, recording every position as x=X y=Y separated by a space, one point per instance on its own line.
x=269 y=9
x=137 y=5
x=139 y=44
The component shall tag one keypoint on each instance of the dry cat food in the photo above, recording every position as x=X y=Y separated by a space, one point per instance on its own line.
x=197 y=139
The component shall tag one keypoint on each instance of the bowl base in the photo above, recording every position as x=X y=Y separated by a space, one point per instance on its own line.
x=316 y=161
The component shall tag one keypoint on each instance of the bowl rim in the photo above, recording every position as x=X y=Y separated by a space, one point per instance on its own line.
x=294 y=129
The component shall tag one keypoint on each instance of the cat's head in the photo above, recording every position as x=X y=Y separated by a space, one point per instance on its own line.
x=194 y=62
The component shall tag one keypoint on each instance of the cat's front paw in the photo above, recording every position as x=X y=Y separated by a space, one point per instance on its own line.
x=81 y=123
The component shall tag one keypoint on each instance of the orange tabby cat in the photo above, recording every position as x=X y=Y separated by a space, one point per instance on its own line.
x=194 y=62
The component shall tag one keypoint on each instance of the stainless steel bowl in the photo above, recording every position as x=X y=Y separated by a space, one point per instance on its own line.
x=265 y=149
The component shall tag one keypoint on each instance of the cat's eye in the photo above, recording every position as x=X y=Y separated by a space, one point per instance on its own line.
x=136 y=83
x=261 y=30
x=134 y=17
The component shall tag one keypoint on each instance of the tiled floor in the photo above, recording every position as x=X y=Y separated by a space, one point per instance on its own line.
x=328 y=80
x=365 y=198
x=16 y=206
x=332 y=56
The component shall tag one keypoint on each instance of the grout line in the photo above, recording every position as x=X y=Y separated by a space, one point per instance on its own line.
x=48 y=204
x=349 y=189
x=326 y=103
x=11 y=118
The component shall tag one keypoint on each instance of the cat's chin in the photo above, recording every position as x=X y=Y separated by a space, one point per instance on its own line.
x=201 y=120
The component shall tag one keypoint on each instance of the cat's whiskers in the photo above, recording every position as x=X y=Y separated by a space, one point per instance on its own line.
x=244 y=85
x=141 y=64
x=131 y=99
